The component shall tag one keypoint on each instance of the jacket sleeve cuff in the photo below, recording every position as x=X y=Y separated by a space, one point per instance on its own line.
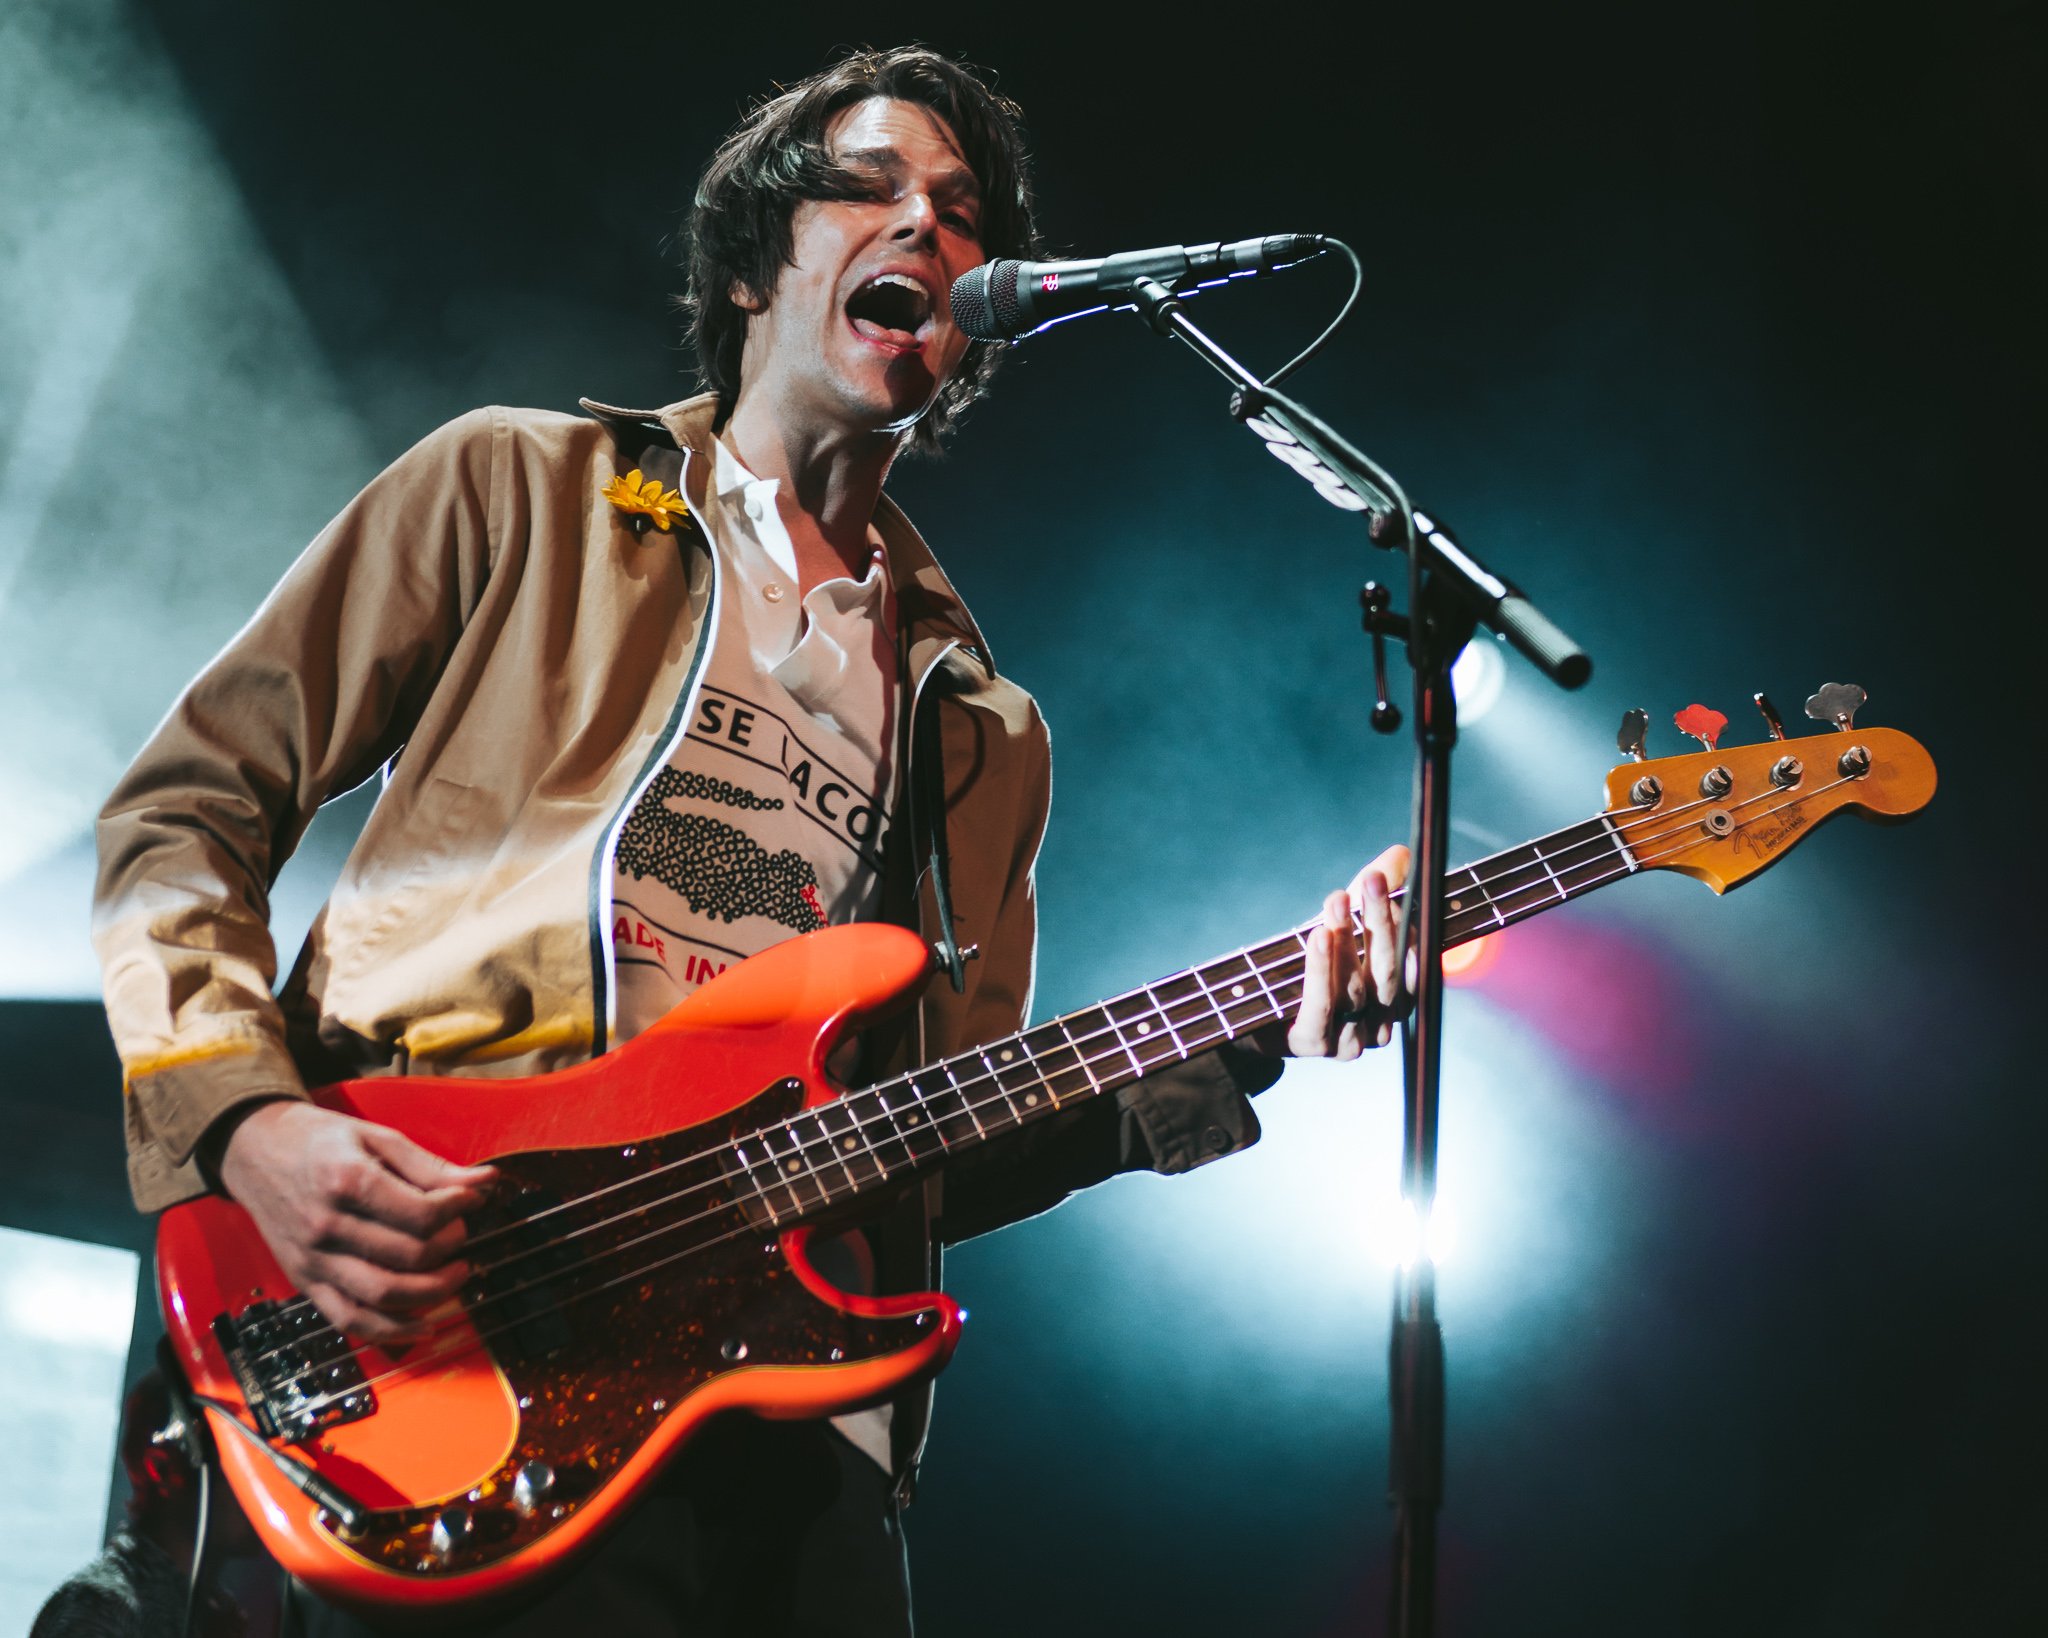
x=1183 y=1117
x=177 y=1104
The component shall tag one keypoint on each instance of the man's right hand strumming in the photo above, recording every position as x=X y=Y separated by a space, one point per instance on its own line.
x=366 y=1222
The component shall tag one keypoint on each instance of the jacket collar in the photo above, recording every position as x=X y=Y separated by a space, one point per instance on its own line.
x=932 y=611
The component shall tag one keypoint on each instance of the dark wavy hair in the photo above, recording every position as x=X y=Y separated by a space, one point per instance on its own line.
x=740 y=227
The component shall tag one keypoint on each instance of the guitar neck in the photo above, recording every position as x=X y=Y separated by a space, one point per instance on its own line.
x=882 y=1134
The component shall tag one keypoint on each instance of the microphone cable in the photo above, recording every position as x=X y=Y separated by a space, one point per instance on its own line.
x=1330 y=329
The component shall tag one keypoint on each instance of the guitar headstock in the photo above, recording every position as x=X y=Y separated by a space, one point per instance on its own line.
x=1726 y=812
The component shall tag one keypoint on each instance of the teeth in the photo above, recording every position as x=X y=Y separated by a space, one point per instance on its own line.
x=904 y=281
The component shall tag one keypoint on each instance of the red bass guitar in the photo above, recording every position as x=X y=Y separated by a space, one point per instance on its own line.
x=643 y=1265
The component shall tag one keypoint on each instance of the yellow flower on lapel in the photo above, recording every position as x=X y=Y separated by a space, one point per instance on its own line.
x=644 y=501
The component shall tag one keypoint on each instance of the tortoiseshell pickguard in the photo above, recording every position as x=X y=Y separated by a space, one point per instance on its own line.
x=675 y=1287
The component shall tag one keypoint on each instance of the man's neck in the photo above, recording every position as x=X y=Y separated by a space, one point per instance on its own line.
x=828 y=483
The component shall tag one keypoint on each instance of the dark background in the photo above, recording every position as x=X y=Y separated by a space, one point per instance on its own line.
x=1718 y=329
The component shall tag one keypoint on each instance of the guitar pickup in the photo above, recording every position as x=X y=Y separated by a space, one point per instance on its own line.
x=298 y=1374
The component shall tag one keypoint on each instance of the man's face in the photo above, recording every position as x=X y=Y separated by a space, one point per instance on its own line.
x=858 y=333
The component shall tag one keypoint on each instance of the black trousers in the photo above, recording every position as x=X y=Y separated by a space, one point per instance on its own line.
x=757 y=1530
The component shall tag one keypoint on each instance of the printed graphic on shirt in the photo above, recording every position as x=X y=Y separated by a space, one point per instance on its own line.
x=824 y=795
x=641 y=940
x=716 y=868
x=707 y=789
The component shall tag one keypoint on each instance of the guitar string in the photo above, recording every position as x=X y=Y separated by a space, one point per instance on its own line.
x=1089 y=1053
x=482 y=1336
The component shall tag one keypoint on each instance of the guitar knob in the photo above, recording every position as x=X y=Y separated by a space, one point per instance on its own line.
x=452 y=1527
x=1716 y=782
x=531 y=1487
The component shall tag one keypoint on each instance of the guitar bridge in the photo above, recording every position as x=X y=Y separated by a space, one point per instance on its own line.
x=297 y=1373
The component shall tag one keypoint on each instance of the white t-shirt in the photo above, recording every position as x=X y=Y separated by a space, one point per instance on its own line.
x=770 y=816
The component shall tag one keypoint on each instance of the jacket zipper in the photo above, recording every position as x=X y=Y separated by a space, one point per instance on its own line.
x=604 y=969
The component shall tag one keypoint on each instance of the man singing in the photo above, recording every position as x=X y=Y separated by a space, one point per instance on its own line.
x=651 y=691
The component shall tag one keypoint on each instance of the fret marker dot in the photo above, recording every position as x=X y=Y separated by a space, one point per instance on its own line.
x=1007 y=1054
x=846 y=1144
x=1237 y=989
x=1144 y=1029
x=1457 y=904
x=792 y=1166
x=913 y=1120
x=1030 y=1100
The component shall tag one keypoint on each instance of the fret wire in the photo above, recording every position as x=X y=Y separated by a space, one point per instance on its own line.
x=917 y=1120
x=1080 y=1056
x=852 y=1139
x=1210 y=996
x=1002 y=1091
x=946 y=1064
x=788 y=1171
x=1614 y=836
x=817 y=1172
x=1165 y=1021
x=1117 y=1030
x=833 y=1155
x=1038 y=1070
x=754 y=1177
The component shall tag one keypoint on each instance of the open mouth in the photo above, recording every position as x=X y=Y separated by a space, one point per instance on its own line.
x=892 y=309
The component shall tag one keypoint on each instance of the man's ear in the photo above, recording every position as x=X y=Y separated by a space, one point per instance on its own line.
x=742 y=297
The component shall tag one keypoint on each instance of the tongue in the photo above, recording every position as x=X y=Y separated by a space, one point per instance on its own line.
x=882 y=333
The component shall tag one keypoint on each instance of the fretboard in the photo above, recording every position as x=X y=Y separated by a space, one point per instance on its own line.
x=884 y=1134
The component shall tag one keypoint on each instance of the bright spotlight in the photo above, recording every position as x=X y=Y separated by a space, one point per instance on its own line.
x=1477 y=676
x=1399 y=1238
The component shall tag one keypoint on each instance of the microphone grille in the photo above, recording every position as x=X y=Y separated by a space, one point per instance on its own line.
x=1002 y=289
x=985 y=301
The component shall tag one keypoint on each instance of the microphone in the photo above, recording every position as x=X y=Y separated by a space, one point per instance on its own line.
x=1006 y=300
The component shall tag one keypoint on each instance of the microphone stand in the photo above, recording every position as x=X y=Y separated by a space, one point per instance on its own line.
x=1450 y=595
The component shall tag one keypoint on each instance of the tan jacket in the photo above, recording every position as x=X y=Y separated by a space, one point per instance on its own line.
x=480 y=624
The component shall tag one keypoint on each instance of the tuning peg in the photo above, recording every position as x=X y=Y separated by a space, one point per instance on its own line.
x=1771 y=719
x=1703 y=723
x=1837 y=703
x=1635 y=725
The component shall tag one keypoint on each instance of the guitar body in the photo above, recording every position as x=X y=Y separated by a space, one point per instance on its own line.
x=587 y=1348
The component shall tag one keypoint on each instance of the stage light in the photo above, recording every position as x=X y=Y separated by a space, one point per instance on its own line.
x=1399 y=1238
x=1478 y=676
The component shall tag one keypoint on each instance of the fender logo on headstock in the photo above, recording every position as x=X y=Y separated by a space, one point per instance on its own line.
x=1764 y=837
